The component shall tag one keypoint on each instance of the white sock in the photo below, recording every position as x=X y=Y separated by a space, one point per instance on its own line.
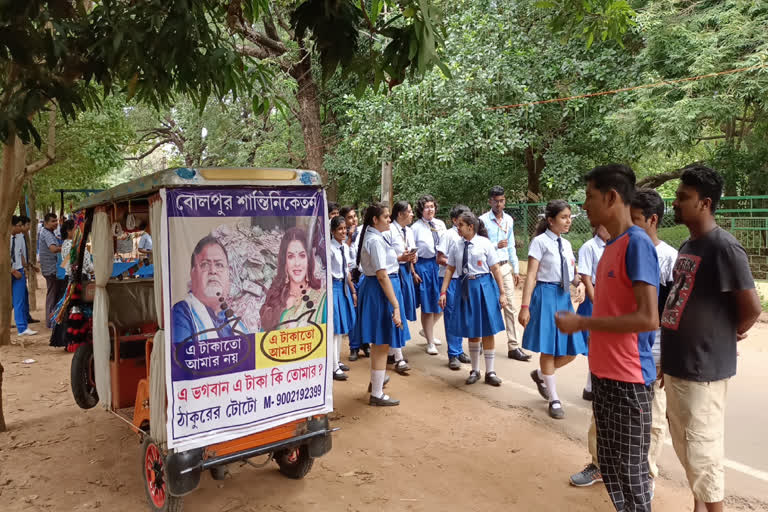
x=541 y=375
x=377 y=382
x=490 y=356
x=398 y=353
x=551 y=383
x=336 y=351
x=391 y=351
x=588 y=387
x=474 y=355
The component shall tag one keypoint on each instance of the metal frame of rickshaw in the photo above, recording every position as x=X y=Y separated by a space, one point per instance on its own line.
x=183 y=469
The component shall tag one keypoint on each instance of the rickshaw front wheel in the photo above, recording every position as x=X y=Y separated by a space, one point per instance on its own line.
x=294 y=462
x=83 y=377
x=154 y=474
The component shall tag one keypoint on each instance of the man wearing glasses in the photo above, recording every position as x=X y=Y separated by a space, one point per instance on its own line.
x=501 y=233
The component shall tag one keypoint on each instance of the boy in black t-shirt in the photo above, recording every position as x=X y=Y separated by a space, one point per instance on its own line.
x=711 y=305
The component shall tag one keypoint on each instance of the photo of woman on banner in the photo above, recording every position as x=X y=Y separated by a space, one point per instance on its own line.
x=204 y=313
x=296 y=296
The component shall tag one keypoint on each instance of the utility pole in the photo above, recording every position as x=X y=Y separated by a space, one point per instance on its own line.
x=386 y=183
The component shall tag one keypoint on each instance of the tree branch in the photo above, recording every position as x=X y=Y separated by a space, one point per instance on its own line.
x=658 y=180
x=149 y=152
x=50 y=150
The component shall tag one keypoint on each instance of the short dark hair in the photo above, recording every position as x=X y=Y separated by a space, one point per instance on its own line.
x=336 y=222
x=24 y=219
x=496 y=191
x=707 y=182
x=618 y=177
x=344 y=210
x=422 y=202
x=650 y=202
x=15 y=220
x=398 y=208
x=202 y=244
x=332 y=206
x=457 y=210
x=49 y=216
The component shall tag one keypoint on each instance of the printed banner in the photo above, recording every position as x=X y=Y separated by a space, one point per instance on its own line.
x=247 y=316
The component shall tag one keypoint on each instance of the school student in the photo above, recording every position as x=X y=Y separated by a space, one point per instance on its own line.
x=621 y=329
x=551 y=271
x=401 y=236
x=19 y=280
x=478 y=304
x=427 y=232
x=333 y=210
x=589 y=256
x=501 y=233
x=451 y=237
x=350 y=216
x=344 y=293
x=379 y=319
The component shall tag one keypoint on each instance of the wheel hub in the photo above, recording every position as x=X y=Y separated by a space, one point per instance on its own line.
x=154 y=474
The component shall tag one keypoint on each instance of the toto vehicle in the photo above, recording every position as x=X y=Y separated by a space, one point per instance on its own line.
x=211 y=343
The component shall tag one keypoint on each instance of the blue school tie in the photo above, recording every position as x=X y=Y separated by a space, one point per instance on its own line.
x=343 y=270
x=435 y=236
x=563 y=266
x=13 y=249
x=465 y=270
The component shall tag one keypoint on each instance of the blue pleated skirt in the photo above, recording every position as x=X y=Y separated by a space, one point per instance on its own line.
x=408 y=306
x=374 y=316
x=479 y=313
x=541 y=335
x=343 y=309
x=429 y=289
x=585 y=309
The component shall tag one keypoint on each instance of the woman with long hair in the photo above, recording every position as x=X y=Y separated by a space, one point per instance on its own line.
x=295 y=296
x=401 y=235
x=551 y=271
x=379 y=319
x=478 y=304
x=427 y=232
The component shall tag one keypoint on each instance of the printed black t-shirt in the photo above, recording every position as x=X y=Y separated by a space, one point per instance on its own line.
x=698 y=326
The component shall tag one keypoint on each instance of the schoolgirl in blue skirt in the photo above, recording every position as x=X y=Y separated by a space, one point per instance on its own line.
x=379 y=319
x=401 y=235
x=477 y=307
x=551 y=271
x=427 y=232
x=344 y=293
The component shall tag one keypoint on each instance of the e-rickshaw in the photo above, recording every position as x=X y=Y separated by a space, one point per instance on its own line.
x=123 y=330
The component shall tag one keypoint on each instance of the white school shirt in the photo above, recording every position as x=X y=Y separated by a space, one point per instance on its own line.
x=422 y=234
x=502 y=231
x=18 y=251
x=145 y=242
x=589 y=256
x=377 y=254
x=544 y=248
x=448 y=240
x=399 y=242
x=353 y=246
x=482 y=255
x=667 y=257
x=336 y=261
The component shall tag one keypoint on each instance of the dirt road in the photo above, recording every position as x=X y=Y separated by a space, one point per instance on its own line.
x=447 y=447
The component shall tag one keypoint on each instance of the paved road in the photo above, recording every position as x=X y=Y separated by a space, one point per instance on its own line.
x=746 y=416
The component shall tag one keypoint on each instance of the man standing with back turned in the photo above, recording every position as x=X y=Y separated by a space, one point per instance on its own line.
x=502 y=236
x=711 y=306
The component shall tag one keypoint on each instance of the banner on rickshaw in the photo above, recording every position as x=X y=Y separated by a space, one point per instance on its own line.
x=247 y=318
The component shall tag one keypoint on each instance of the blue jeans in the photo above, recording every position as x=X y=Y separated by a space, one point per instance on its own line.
x=20 y=304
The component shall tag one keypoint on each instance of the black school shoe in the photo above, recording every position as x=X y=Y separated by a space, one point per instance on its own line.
x=474 y=376
x=384 y=401
x=464 y=358
x=454 y=363
x=557 y=413
x=366 y=350
x=339 y=375
x=587 y=395
x=343 y=367
x=519 y=355
x=353 y=356
x=492 y=379
x=543 y=390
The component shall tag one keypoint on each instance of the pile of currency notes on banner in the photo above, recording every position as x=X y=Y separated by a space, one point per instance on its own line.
x=252 y=253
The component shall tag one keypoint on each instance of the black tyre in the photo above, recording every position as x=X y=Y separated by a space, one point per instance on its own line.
x=294 y=463
x=155 y=481
x=83 y=377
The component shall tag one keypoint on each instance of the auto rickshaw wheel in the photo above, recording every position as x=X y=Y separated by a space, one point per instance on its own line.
x=155 y=481
x=295 y=462
x=83 y=377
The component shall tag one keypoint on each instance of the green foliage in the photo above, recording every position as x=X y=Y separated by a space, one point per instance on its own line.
x=590 y=19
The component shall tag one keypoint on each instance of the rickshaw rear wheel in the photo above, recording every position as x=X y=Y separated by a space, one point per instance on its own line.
x=294 y=462
x=83 y=377
x=153 y=471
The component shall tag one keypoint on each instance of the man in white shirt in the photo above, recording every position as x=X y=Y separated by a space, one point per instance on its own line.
x=501 y=233
x=145 y=242
x=19 y=280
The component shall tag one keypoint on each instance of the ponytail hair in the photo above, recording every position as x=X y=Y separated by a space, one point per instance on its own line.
x=481 y=229
x=336 y=222
x=551 y=211
x=398 y=208
x=374 y=210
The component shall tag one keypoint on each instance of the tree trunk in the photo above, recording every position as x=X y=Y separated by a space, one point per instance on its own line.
x=386 y=183
x=309 y=116
x=32 y=241
x=534 y=164
x=2 y=416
